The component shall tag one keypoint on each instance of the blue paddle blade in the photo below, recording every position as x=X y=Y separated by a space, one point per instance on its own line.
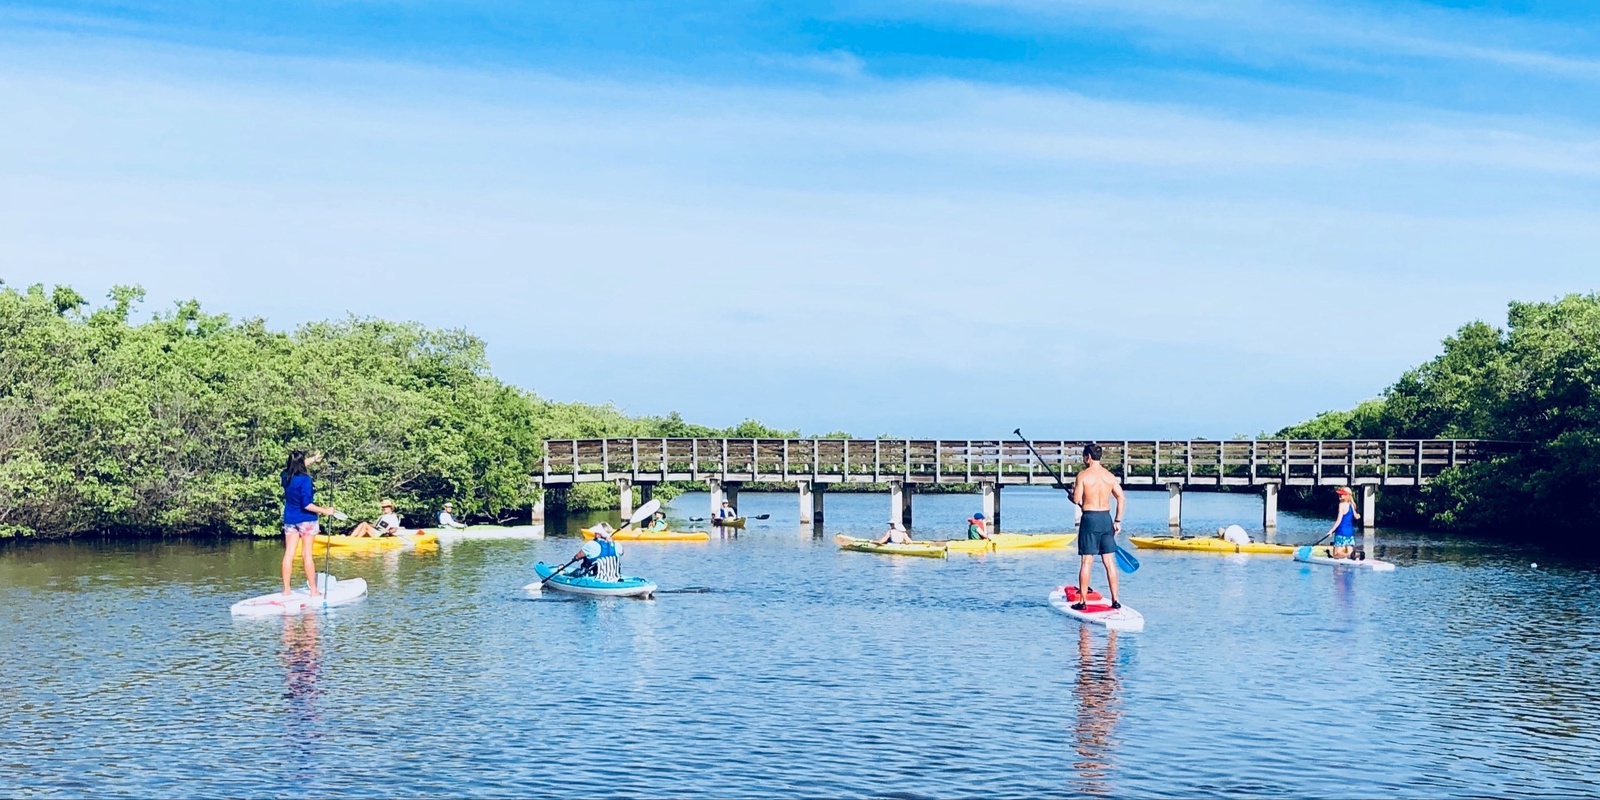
x=1125 y=560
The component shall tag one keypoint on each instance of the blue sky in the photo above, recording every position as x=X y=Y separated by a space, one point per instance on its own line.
x=1088 y=218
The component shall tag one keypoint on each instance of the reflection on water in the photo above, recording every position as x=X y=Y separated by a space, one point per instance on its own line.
x=301 y=656
x=1099 y=696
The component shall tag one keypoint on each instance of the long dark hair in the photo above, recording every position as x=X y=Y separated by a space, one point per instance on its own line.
x=296 y=465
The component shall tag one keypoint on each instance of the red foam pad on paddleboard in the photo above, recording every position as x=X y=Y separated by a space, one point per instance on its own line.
x=1072 y=594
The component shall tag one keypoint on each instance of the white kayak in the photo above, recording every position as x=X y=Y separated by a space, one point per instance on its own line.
x=1323 y=555
x=1098 y=611
x=335 y=593
x=490 y=532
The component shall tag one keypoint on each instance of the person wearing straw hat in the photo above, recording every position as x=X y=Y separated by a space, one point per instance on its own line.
x=388 y=523
x=1344 y=526
x=600 y=556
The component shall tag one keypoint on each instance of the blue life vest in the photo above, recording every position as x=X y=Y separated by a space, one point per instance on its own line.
x=606 y=566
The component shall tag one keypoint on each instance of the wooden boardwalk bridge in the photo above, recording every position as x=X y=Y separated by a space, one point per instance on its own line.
x=902 y=464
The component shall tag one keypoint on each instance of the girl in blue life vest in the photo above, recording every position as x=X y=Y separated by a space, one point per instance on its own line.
x=1344 y=526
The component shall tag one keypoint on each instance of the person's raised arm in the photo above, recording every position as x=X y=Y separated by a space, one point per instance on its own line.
x=1122 y=503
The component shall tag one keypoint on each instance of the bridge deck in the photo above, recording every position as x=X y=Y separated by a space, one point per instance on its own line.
x=1192 y=462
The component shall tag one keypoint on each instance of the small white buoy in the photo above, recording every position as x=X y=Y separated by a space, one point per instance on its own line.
x=1535 y=565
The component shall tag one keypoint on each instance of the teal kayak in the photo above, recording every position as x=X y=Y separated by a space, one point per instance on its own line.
x=627 y=587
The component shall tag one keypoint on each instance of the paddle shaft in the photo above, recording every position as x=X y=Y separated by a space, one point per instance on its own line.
x=327 y=547
x=563 y=568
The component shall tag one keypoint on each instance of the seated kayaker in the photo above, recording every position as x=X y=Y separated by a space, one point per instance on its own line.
x=600 y=556
x=658 y=522
x=896 y=534
x=447 y=517
x=976 y=528
x=388 y=523
x=725 y=513
x=1234 y=535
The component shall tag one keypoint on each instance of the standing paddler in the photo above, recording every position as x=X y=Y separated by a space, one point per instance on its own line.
x=1093 y=492
x=300 y=517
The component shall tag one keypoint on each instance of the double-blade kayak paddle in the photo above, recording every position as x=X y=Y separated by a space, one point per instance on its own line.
x=644 y=513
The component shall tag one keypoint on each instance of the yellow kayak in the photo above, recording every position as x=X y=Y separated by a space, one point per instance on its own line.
x=406 y=539
x=1009 y=541
x=641 y=535
x=923 y=549
x=1211 y=544
x=380 y=542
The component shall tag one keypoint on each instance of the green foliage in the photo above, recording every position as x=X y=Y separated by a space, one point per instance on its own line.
x=182 y=423
x=1537 y=381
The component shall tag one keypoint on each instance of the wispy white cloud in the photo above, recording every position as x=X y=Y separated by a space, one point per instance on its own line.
x=922 y=230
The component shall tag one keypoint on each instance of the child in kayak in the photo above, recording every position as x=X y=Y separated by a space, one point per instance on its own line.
x=600 y=556
x=658 y=522
x=1344 y=526
x=975 y=527
x=895 y=535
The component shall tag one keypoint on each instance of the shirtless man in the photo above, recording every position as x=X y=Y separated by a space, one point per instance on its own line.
x=1097 y=532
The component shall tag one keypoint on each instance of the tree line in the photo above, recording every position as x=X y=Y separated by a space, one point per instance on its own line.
x=1537 y=380
x=180 y=423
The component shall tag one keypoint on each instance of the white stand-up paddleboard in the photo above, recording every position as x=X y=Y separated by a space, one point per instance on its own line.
x=335 y=593
x=1323 y=555
x=1098 y=611
x=491 y=532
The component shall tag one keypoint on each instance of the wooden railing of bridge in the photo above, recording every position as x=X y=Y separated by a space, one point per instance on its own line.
x=1147 y=462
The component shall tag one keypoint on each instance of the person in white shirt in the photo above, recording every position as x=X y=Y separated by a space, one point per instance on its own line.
x=896 y=534
x=447 y=517
x=388 y=523
x=1235 y=535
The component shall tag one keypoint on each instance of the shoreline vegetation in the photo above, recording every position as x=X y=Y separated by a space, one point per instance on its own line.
x=178 y=425
x=1535 y=381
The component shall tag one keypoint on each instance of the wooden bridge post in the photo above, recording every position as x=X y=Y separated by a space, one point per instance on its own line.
x=1369 y=506
x=991 y=505
x=647 y=492
x=1174 y=505
x=625 y=497
x=714 y=486
x=1269 y=514
x=807 y=503
x=900 y=502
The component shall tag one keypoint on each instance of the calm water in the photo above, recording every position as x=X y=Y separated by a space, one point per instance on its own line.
x=805 y=671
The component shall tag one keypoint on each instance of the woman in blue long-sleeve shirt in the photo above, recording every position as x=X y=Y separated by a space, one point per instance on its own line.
x=300 y=518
